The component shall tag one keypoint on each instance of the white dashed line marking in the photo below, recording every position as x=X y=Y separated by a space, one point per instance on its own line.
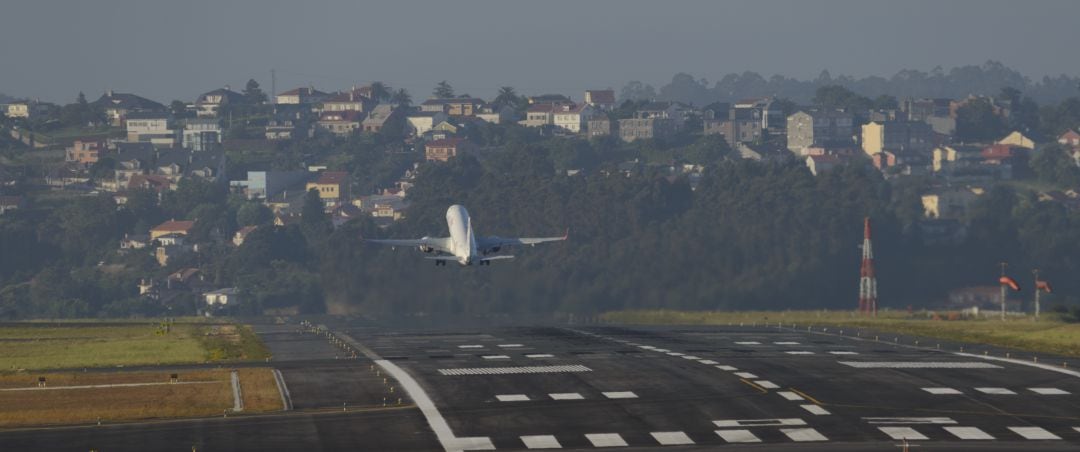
x=661 y=350
x=748 y=343
x=707 y=361
x=766 y=384
x=727 y=423
x=566 y=396
x=676 y=354
x=470 y=346
x=605 y=440
x=1049 y=391
x=620 y=395
x=917 y=365
x=803 y=434
x=541 y=442
x=843 y=352
x=745 y=375
x=790 y=395
x=942 y=391
x=540 y=355
x=691 y=357
x=1034 y=433
x=996 y=391
x=968 y=432
x=672 y=438
x=799 y=352
x=902 y=433
x=738 y=436
x=727 y=368
x=495 y=357
x=512 y=398
x=515 y=370
x=510 y=345
x=786 y=343
x=814 y=409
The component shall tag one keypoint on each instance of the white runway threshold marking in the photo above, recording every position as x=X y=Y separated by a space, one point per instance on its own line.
x=728 y=423
x=516 y=370
x=434 y=418
x=942 y=391
x=727 y=368
x=745 y=375
x=766 y=384
x=541 y=442
x=605 y=440
x=672 y=438
x=791 y=396
x=738 y=436
x=901 y=433
x=968 y=433
x=918 y=365
x=512 y=398
x=1034 y=433
x=909 y=420
x=996 y=391
x=566 y=396
x=620 y=395
x=1049 y=391
x=803 y=434
x=816 y=410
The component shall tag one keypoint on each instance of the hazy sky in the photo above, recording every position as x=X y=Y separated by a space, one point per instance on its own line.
x=174 y=49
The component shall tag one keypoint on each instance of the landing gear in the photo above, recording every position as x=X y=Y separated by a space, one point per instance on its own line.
x=440 y=263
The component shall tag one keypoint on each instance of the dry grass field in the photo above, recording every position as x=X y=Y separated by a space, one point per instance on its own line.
x=199 y=394
x=1047 y=335
x=74 y=345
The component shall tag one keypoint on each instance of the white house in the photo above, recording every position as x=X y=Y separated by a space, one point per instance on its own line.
x=150 y=126
x=222 y=297
x=420 y=122
x=572 y=118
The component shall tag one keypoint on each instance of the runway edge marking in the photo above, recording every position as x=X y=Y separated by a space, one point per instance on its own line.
x=427 y=407
x=283 y=389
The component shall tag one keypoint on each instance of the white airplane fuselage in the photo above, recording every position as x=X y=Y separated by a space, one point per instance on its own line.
x=462 y=238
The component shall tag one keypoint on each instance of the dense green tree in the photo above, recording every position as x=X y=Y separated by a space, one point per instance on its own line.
x=401 y=97
x=443 y=90
x=253 y=95
x=977 y=122
x=253 y=214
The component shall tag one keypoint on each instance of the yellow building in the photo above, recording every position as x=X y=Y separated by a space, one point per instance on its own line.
x=1017 y=139
x=948 y=203
x=331 y=185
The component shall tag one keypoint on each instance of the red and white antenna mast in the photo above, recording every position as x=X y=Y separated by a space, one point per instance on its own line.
x=867 y=280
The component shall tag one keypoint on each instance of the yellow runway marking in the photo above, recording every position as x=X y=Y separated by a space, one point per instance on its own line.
x=754 y=385
x=806 y=396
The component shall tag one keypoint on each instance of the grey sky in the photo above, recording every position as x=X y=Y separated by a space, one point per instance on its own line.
x=52 y=49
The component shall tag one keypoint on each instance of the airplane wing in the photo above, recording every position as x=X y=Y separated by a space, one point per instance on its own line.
x=501 y=242
x=441 y=244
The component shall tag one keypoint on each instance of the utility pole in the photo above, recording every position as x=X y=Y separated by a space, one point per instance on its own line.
x=1036 y=272
x=273 y=87
x=1003 y=293
x=867 y=279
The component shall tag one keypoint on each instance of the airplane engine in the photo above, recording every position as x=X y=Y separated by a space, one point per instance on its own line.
x=426 y=249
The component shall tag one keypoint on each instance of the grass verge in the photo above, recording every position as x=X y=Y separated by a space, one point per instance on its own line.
x=1047 y=335
x=211 y=395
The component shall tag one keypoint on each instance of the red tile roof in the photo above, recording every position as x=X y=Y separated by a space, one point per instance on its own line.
x=999 y=152
x=331 y=177
x=174 y=226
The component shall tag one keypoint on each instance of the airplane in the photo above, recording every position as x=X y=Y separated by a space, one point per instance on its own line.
x=463 y=246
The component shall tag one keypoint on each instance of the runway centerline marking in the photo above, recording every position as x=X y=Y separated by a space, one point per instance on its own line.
x=511 y=345
x=620 y=395
x=495 y=357
x=512 y=398
x=745 y=375
x=748 y=343
x=786 y=343
x=541 y=442
x=727 y=368
x=515 y=370
x=565 y=396
x=471 y=346
x=780 y=422
x=1033 y=433
x=672 y=438
x=766 y=384
x=708 y=362
x=606 y=439
x=968 y=432
x=902 y=433
x=799 y=352
x=540 y=355
x=843 y=352
x=909 y=420
x=738 y=436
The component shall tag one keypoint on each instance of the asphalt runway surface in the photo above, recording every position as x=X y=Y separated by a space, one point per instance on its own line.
x=587 y=387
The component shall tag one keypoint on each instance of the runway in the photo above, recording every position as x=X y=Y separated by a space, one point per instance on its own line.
x=586 y=387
